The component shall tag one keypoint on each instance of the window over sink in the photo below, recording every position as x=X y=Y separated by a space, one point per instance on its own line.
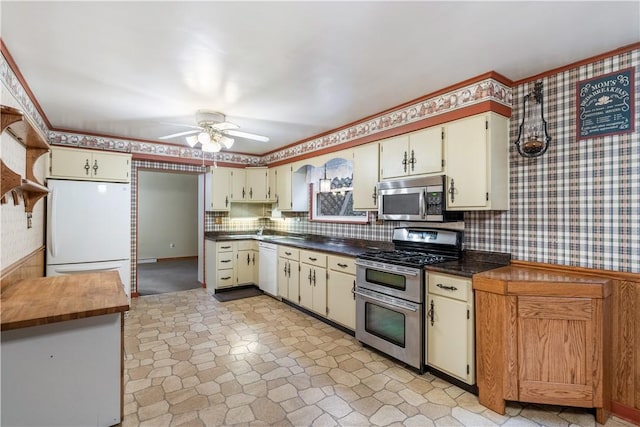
x=335 y=205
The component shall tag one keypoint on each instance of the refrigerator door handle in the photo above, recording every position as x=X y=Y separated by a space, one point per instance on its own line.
x=54 y=216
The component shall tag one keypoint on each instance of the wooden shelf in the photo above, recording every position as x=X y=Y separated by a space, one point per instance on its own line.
x=18 y=126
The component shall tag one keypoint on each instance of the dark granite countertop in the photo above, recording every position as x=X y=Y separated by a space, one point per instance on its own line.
x=472 y=262
x=333 y=245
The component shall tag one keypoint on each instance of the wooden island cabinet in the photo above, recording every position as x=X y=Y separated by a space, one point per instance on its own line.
x=541 y=337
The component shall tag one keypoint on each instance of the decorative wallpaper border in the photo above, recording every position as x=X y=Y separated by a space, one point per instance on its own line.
x=474 y=93
x=13 y=85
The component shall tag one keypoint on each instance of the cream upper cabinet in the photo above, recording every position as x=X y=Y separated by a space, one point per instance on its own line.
x=416 y=153
x=217 y=189
x=257 y=183
x=272 y=184
x=477 y=163
x=365 y=177
x=237 y=180
x=291 y=189
x=91 y=165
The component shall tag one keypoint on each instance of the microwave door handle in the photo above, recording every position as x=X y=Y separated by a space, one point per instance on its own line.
x=388 y=303
x=423 y=204
x=382 y=268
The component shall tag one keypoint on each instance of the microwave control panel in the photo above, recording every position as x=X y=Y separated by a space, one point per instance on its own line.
x=434 y=203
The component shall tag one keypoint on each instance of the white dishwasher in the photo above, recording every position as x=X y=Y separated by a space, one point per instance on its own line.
x=268 y=277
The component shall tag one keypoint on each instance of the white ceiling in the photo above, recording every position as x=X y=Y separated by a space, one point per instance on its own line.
x=287 y=70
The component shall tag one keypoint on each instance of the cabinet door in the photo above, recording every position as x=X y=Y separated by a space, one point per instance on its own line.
x=425 y=151
x=70 y=163
x=255 y=265
x=319 y=290
x=256 y=184
x=220 y=183
x=394 y=157
x=447 y=338
x=111 y=167
x=238 y=191
x=467 y=163
x=556 y=350
x=283 y=278
x=294 y=282
x=283 y=186
x=306 y=286
x=365 y=177
x=244 y=268
x=341 y=301
x=225 y=278
x=272 y=185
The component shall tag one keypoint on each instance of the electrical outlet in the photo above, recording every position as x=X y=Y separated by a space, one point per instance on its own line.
x=172 y=245
x=218 y=220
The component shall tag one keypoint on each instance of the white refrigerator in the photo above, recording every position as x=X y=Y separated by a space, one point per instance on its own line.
x=89 y=228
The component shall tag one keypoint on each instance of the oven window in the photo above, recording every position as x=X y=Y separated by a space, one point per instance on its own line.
x=401 y=204
x=385 y=323
x=382 y=278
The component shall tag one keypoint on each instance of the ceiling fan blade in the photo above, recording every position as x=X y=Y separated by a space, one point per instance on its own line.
x=224 y=126
x=182 y=125
x=173 y=135
x=247 y=135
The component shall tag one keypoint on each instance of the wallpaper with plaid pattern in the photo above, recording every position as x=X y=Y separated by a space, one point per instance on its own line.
x=579 y=204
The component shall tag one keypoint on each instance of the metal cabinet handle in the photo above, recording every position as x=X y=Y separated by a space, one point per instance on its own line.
x=95 y=167
x=309 y=277
x=226 y=201
x=313 y=259
x=289 y=267
x=412 y=161
x=342 y=265
x=253 y=259
x=353 y=290
x=374 y=196
x=452 y=191
x=248 y=259
x=447 y=288
x=287 y=253
x=225 y=260
x=251 y=193
x=314 y=277
x=404 y=162
x=87 y=167
x=225 y=278
x=431 y=312
x=225 y=247
x=243 y=193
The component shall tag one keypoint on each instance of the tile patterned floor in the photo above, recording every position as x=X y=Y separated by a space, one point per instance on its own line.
x=193 y=361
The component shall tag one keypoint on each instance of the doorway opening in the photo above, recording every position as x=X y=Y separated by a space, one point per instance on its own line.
x=167 y=224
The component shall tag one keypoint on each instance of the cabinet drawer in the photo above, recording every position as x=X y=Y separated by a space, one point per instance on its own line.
x=224 y=246
x=313 y=258
x=225 y=278
x=225 y=260
x=247 y=245
x=450 y=286
x=289 y=253
x=343 y=264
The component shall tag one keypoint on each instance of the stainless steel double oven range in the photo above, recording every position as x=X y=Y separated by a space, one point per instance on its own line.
x=390 y=291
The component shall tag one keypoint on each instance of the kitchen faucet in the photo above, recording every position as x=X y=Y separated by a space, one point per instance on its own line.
x=260 y=230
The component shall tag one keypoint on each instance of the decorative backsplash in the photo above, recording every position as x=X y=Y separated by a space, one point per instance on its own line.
x=579 y=204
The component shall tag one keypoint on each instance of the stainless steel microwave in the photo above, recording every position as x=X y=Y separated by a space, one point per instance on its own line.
x=414 y=199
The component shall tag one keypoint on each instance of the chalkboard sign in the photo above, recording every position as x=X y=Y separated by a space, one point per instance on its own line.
x=605 y=105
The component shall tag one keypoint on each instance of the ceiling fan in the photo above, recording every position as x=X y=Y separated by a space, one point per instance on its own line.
x=213 y=132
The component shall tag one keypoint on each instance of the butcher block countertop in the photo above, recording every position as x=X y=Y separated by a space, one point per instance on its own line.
x=519 y=280
x=45 y=300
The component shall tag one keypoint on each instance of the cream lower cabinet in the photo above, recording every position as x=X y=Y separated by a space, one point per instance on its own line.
x=289 y=273
x=341 y=282
x=225 y=265
x=450 y=326
x=477 y=163
x=246 y=264
x=90 y=165
x=365 y=177
x=313 y=281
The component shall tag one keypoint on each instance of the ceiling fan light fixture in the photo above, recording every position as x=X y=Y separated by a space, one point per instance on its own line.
x=226 y=142
x=192 y=140
x=211 y=147
x=204 y=138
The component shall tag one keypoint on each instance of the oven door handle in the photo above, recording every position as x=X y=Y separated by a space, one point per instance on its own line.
x=402 y=307
x=390 y=270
